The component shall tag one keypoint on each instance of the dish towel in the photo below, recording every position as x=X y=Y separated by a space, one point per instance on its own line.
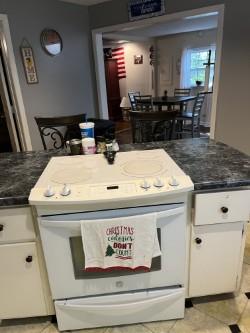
x=120 y=243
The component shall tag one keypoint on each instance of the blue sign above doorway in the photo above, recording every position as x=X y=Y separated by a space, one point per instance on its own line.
x=140 y=9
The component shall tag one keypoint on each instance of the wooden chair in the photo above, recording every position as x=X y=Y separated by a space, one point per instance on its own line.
x=152 y=126
x=192 y=117
x=131 y=96
x=61 y=129
x=181 y=92
x=144 y=103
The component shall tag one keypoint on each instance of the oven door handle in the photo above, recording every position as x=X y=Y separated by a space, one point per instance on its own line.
x=72 y=224
x=103 y=307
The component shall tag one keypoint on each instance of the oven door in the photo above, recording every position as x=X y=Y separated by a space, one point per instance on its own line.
x=63 y=250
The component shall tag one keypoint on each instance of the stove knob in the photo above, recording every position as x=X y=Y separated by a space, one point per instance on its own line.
x=173 y=181
x=49 y=192
x=145 y=185
x=158 y=182
x=65 y=191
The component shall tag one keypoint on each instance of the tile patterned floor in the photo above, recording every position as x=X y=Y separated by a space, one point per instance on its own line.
x=213 y=314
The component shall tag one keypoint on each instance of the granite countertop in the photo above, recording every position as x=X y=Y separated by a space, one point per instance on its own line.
x=210 y=164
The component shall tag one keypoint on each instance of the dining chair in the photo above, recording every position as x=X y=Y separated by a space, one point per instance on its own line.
x=152 y=126
x=182 y=92
x=55 y=131
x=189 y=121
x=131 y=96
x=144 y=103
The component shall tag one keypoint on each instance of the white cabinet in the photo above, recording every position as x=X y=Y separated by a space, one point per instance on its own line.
x=217 y=242
x=24 y=290
x=214 y=259
x=21 y=287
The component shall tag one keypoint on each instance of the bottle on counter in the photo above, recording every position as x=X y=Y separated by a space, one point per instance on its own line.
x=112 y=144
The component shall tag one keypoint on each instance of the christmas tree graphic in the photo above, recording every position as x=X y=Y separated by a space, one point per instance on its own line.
x=109 y=251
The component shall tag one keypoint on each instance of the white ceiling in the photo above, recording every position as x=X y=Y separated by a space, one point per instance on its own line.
x=85 y=2
x=165 y=28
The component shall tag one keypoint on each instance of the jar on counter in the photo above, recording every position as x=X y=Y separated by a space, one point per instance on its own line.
x=100 y=144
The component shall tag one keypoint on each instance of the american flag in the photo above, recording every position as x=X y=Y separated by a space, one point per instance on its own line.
x=118 y=54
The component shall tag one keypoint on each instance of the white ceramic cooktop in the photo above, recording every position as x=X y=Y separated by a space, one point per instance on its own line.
x=94 y=169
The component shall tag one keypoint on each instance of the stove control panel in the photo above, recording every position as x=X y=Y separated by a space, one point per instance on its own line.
x=136 y=188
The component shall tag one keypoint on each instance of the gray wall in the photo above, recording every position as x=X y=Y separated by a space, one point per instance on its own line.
x=233 y=111
x=65 y=81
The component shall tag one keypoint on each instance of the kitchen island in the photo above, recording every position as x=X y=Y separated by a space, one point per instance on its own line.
x=210 y=164
x=218 y=212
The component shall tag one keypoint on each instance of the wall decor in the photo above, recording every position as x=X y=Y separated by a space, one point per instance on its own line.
x=152 y=55
x=138 y=59
x=140 y=9
x=28 y=62
x=51 y=42
x=166 y=71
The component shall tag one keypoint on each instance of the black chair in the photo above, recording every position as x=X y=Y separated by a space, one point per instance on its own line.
x=151 y=126
x=144 y=103
x=131 y=96
x=61 y=129
x=189 y=121
x=182 y=92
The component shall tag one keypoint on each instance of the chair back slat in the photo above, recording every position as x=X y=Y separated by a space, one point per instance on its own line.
x=198 y=103
x=182 y=92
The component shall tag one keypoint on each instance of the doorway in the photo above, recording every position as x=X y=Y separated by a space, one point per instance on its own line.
x=9 y=135
x=127 y=32
x=14 y=135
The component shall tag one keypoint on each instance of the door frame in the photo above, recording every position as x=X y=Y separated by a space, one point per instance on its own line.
x=99 y=59
x=15 y=88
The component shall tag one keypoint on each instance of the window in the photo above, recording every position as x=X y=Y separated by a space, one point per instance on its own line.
x=193 y=68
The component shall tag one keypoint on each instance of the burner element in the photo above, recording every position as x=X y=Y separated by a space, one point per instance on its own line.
x=143 y=168
x=71 y=175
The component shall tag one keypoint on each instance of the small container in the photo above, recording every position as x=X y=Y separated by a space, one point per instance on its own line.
x=101 y=145
x=88 y=145
x=87 y=130
x=75 y=146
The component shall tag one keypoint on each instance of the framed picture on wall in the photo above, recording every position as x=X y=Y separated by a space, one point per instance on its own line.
x=138 y=59
x=29 y=64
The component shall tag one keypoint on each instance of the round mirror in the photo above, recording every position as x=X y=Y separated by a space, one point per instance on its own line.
x=51 y=42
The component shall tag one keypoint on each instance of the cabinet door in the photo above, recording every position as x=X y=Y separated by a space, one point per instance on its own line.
x=215 y=258
x=20 y=282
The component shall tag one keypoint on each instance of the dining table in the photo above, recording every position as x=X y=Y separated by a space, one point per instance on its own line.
x=169 y=101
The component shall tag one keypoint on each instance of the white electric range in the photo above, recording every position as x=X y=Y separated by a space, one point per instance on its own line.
x=75 y=188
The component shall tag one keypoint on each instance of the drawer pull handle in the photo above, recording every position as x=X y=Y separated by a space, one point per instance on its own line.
x=1 y=227
x=29 y=259
x=224 y=210
x=198 y=240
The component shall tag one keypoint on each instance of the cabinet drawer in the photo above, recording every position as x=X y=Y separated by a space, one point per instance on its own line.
x=222 y=207
x=16 y=225
x=21 y=287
